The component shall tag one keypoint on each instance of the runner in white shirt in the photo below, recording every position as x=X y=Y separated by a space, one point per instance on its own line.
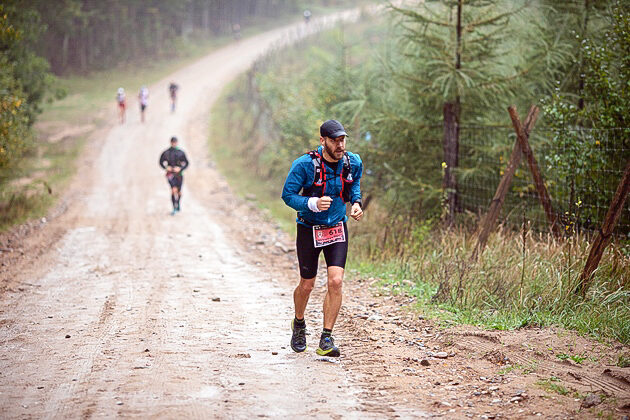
x=121 y=99
x=143 y=97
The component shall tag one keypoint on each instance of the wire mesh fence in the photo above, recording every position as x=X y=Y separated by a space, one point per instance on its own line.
x=581 y=169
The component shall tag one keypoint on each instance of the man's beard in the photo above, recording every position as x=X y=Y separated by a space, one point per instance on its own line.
x=331 y=152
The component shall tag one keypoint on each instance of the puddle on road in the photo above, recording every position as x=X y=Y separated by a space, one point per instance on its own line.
x=208 y=392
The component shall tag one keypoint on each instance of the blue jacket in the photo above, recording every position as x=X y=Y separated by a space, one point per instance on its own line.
x=302 y=174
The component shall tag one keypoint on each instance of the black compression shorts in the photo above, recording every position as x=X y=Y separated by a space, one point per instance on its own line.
x=175 y=181
x=308 y=256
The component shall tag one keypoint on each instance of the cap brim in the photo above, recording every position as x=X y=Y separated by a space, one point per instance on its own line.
x=337 y=134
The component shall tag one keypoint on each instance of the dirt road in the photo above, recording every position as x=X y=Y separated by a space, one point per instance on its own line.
x=119 y=309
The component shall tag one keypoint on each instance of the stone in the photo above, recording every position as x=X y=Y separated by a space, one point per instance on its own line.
x=591 y=400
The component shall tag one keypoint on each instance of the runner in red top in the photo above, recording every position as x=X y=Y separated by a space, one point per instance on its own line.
x=121 y=100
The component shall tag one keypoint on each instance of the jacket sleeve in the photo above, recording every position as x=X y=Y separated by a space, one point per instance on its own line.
x=296 y=180
x=357 y=173
x=162 y=160
x=184 y=161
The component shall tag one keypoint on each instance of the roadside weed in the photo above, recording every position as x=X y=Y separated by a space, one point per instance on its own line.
x=552 y=384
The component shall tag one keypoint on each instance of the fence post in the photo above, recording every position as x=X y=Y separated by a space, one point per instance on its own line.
x=499 y=196
x=451 y=146
x=605 y=232
x=543 y=195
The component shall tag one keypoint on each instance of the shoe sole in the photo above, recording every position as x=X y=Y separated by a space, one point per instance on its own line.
x=291 y=344
x=329 y=353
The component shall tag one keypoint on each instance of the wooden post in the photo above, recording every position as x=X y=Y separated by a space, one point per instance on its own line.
x=605 y=232
x=499 y=196
x=449 y=183
x=543 y=195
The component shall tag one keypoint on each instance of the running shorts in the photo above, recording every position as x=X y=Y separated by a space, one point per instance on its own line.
x=142 y=107
x=175 y=180
x=308 y=256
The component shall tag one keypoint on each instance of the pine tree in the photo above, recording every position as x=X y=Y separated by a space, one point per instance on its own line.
x=462 y=61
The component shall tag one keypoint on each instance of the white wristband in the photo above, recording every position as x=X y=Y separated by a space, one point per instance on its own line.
x=312 y=204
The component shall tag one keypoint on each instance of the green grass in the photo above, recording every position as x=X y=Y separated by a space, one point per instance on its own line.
x=553 y=384
x=575 y=357
x=50 y=176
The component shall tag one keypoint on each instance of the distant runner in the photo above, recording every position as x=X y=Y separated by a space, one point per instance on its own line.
x=307 y=16
x=327 y=178
x=172 y=90
x=174 y=161
x=121 y=99
x=143 y=98
x=236 y=31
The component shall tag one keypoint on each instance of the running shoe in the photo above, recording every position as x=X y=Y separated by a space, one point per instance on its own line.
x=173 y=212
x=298 y=339
x=327 y=347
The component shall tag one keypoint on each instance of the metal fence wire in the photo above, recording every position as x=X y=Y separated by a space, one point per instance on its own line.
x=581 y=168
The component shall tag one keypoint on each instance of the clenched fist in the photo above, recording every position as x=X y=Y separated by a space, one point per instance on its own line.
x=356 y=212
x=323 y=203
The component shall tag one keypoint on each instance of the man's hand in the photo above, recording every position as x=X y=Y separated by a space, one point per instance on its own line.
x=177 y=169
x=356 y=212
x=323 y=203
x=169 y=169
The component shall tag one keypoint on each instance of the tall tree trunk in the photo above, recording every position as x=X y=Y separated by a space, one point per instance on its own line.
x=449 y=183
x=581 y=66
x=64 y=52
x=452 y=112
x=83 y=49
x=205 y=17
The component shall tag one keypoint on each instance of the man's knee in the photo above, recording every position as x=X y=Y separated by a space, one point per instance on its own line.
x=306 y=285
x=335 y=281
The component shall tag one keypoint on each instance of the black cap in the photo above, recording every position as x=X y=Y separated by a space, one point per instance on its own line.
x=173 y=139
x=332 y=129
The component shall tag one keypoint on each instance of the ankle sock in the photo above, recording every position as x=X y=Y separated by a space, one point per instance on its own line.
x=299 y=322
x=326 y=332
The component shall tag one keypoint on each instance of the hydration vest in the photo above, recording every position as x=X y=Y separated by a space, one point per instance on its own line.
x=318 y=189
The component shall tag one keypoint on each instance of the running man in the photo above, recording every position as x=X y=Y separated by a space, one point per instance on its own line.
x=172 y=90
x=121 y=99
x=174 y=161
x=143 y=98
x=318 y=186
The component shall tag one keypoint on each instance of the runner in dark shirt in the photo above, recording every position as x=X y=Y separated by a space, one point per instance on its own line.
x=172 y=90
x=174 y=161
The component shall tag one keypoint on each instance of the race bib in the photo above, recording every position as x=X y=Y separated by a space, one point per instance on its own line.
x=326 y=235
